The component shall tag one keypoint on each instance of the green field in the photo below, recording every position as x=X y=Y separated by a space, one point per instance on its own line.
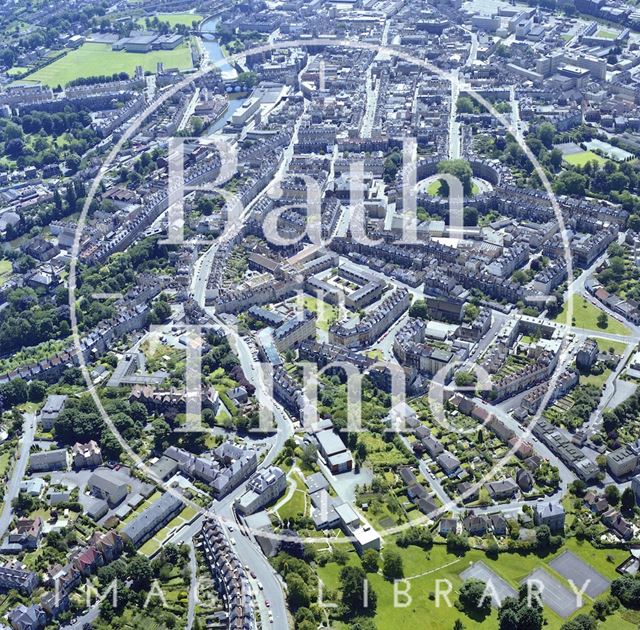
x=5 y=270
x=425 y=567
x=98 y=59
x=174 y=18
x=606 y=34
x=585 y=315
x=580 y=159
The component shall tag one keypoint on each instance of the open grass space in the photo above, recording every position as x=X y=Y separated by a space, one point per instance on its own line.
x=5 y=270
x=327 y=313
x=433 y=189
x=98 y=59
x=423 y=568
x=174 y=18
x=585 y=315
x=580 y=159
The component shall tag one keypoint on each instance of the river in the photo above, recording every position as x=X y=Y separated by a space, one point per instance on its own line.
x=216 y=56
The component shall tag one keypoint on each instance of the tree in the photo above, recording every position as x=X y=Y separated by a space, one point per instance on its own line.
x=470 y=214
x=521 y=613
x=357 y=595
x=543 y=536
x=465 y=105
x=628 y=499
x=140 y=572
x=627 y=590
x=603 y=320
x=392 y=567
x=461 y=170
x=297 y=592
x=309 y=455
x=419 y=309
x=571 y=183
x=555 y=158
x=546 y=133
x=37 y=391
x=472 y=597
x=581 y=622
x=612 y=494
x=464 y=379
x=371 y=561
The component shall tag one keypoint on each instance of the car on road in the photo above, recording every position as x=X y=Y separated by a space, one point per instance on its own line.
x=267 y=603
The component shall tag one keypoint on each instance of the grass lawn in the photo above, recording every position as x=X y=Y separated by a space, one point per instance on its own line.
x=297 y=504
x=438 y=564
x=433 y=190
x=595 y=379
x=606 y=34
x=97 y=59
x=580 y=159
x=174 y=18
x=5 y=270
x=585 y=315
x=605 y=344
x=327 y=313
x=5 y=460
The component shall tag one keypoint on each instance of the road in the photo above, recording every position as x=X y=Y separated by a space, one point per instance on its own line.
x=17 y=474
x=193 y=588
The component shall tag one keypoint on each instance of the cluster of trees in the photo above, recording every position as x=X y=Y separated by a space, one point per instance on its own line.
x=162 y=26
x=29 y=140
x=18 y=391
x=80 y=421
x=146 y=164
x=460 y=169
x=468 y=105
x=118 y=276
x=134 y=574
x=102 y=78
x=207 y=205
x=235 y=41
x=475 y=599
x=29 y=320
x=627 y=590
x=332 y=399
x=302 y=585
x=618 y=274
x=523 y=612
x=418 y=536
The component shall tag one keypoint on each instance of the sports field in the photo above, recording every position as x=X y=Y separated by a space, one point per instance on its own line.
x=174 y=18
x=98 y=59
x=580 y=159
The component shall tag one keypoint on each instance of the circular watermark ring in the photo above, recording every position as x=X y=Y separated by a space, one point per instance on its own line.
x=139 y=464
